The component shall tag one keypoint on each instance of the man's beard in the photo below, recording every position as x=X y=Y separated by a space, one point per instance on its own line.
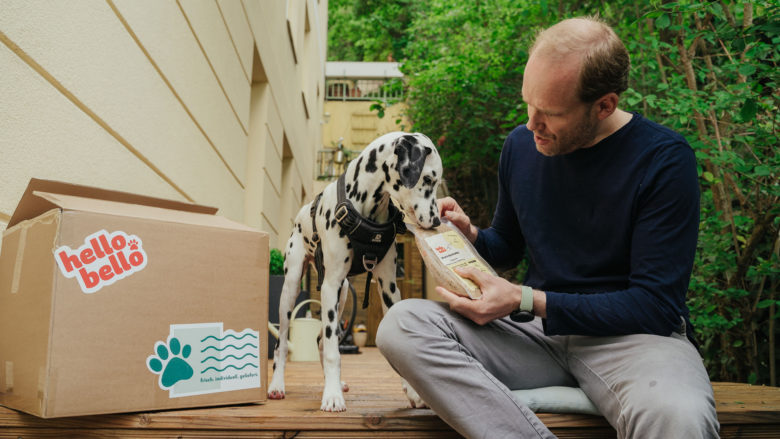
x=579 y=136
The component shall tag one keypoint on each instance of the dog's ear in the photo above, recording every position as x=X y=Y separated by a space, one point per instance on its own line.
x=411 y=159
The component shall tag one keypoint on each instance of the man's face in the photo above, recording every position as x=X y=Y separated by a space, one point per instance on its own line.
x=561 y=123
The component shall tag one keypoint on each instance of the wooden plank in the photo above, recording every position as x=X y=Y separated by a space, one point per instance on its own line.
x=376 y=406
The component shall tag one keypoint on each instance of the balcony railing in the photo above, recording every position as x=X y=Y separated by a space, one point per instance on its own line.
x=364 y=90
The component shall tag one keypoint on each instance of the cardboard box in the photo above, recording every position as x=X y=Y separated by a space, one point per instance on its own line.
x=113 y=302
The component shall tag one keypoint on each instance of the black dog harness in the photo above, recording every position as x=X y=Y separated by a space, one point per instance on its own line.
x=370 y=240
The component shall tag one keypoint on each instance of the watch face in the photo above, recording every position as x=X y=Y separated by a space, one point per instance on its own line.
x=521 y=316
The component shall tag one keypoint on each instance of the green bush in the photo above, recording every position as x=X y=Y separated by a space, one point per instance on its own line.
x=277 y=263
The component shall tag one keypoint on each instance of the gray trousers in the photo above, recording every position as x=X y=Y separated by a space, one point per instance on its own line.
x=646 y=386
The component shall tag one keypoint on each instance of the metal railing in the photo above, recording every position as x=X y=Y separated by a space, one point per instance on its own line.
x=364 y=90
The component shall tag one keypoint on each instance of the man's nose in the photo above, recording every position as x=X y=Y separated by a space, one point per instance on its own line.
x=534 y=120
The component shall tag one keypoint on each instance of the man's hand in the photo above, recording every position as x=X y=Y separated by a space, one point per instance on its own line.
x=450 y=209
x=499 y=297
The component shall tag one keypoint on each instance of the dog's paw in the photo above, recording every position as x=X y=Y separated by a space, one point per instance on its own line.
x=276 y=394
x=414 y=398
x=333 y=403
x=276 y=388
x=344 y=387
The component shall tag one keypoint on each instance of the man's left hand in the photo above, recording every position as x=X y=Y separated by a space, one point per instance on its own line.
x=499 y=297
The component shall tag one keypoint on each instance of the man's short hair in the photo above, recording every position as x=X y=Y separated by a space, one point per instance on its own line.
x=605 y=61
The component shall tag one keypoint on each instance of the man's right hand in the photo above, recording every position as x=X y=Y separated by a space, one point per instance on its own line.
x=449 y=208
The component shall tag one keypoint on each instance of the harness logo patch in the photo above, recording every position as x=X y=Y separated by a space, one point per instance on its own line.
x=377 y=238
x=103 y=259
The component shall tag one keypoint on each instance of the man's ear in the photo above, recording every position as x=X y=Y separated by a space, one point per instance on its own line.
x=606 y=105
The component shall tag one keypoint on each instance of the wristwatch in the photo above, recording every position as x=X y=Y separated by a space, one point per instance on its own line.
x=525 y=312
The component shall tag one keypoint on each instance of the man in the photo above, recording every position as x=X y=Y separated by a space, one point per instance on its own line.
x=605 y=205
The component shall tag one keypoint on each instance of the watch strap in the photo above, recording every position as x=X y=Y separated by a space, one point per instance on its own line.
x=527 y=299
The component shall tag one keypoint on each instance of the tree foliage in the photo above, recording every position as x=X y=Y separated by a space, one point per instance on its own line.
x=705 y=69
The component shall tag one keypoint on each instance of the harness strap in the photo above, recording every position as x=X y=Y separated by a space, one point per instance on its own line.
x=319 y=264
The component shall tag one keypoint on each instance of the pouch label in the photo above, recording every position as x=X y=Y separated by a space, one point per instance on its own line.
x=202 y=358
x=103 y=259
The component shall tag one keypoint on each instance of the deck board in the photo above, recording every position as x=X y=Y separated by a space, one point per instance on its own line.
x=376 y=407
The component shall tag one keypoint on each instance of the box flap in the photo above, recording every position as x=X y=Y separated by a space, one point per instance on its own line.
x=117 y=208
x=31 y=206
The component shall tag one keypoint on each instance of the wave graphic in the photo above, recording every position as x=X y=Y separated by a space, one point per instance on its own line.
x=229 y=346
x=227 y=367
x=229 y=335
x=228 y=356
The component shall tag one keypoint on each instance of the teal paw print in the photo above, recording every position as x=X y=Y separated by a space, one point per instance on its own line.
x=173 y=369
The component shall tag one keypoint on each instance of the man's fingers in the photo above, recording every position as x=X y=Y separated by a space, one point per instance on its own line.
x=478 y=276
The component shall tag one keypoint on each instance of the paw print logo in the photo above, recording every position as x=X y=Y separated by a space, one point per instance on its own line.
x=133 y=244
x=170 y=362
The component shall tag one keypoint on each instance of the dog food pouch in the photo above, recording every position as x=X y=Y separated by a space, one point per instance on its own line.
x=444 y=249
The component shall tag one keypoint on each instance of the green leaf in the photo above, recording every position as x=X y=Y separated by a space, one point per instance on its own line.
x=766 y=303
x=708 y=176
x=747 y=69
x=763 y=170
x=738 y=343
x=662 y=22
x=748 y=110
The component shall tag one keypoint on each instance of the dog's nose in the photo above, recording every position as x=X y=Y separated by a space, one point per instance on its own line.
x=436 y=222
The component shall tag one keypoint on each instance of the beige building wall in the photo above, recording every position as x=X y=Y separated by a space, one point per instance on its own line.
x=215 y=102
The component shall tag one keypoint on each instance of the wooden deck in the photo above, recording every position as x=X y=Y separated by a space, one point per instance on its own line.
x=376 y=408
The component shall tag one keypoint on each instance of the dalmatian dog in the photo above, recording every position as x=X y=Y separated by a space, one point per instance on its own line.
x=402 y=167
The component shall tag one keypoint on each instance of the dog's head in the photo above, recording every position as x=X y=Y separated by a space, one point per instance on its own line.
x=415 y=173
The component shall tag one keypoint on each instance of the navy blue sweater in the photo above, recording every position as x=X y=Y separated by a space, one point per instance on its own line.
x=609 y=231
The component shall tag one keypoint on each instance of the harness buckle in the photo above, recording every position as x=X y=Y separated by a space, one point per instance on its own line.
x=369 y=262
x=341 y=213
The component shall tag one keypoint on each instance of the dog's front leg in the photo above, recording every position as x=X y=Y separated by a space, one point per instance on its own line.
x=332 y=395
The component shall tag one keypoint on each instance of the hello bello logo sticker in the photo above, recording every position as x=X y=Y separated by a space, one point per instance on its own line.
x=103 y=259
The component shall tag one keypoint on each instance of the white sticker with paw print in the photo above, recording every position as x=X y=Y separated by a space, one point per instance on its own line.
x=202 y=358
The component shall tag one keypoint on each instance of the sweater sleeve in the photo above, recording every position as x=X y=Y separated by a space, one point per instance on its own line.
x=498 y=243
x=663 y=244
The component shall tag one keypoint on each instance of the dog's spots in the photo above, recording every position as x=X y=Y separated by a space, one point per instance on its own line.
x=289 y=314
x=328 y=332
x=386 y=170
x=331 y=315
x=299 y=228
x=285 y=270
x=291 y=244
x=421 y=218
x=363 y=198
x=428 y=193
x=381 y=284
x=386 y=298
x=346 y=260
x=373 y=210
x=327 y=219
x=415 y=207
x=334 y=222
x=274 y=365
x=377 y=196
x=433 y=172
x=381 y=147
x=392 y=287
x=357 y=169
x=306 y=240
x=396 y=187
x=371 y=164
x=347 y=187
x=349 y=245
